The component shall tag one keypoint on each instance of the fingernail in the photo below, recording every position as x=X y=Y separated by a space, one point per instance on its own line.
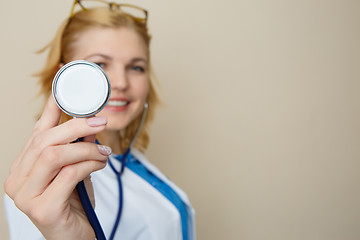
x=104 y=150
x=96 y=121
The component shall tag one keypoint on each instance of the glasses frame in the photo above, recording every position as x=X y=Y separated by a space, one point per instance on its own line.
x=112 y=5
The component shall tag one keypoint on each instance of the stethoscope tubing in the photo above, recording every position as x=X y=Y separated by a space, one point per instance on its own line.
x=118 y=177
x=84 y=197
x=89 y=210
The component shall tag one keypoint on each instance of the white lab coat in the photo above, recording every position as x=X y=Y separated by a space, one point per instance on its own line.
x=146 y=214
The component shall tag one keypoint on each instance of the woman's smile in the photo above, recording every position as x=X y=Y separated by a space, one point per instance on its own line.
x=117 y=104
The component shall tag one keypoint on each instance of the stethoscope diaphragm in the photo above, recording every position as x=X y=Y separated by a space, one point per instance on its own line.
x=81 y=88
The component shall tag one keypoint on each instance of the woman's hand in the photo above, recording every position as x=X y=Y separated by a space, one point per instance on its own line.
x=43 y=177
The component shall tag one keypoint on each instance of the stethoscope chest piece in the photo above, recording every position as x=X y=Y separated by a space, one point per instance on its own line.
x=81 y=88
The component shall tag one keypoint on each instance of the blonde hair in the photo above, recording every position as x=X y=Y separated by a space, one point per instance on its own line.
x=61 y=48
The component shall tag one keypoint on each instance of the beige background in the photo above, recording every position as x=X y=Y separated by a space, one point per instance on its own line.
x=262 y=109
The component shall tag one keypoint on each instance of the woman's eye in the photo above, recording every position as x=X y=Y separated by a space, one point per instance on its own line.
x=138 y=68
x=100 y=64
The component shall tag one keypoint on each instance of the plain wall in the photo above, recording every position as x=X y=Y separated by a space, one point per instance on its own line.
x=260 y=123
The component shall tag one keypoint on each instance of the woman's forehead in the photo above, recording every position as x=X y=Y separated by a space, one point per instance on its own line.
x=114 y=42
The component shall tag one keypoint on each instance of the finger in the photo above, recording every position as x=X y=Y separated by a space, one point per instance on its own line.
x=65 y=182
x=54 y=158
x=62 y=134
x=50 y=116
x=71 y=130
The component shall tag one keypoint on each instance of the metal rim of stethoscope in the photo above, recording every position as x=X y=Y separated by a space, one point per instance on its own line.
x=55 y=95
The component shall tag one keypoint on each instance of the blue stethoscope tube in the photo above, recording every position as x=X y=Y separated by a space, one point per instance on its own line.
x=118 y=177
x=90 y=213
x=84 y=197
x=89 y=210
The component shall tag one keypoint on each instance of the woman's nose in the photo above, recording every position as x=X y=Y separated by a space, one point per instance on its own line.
x=119 y=79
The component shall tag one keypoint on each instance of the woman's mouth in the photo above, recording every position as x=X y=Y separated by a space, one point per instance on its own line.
x=117 y=105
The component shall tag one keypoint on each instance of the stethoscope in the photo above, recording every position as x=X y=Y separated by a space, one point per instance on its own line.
x=81 y=89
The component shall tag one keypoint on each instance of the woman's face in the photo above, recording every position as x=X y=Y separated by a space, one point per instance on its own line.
x=123 y=55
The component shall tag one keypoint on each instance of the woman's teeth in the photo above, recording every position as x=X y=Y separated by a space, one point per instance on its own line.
x=114 y=103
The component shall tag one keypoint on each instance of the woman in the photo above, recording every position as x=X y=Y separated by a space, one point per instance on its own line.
x=43 y=177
